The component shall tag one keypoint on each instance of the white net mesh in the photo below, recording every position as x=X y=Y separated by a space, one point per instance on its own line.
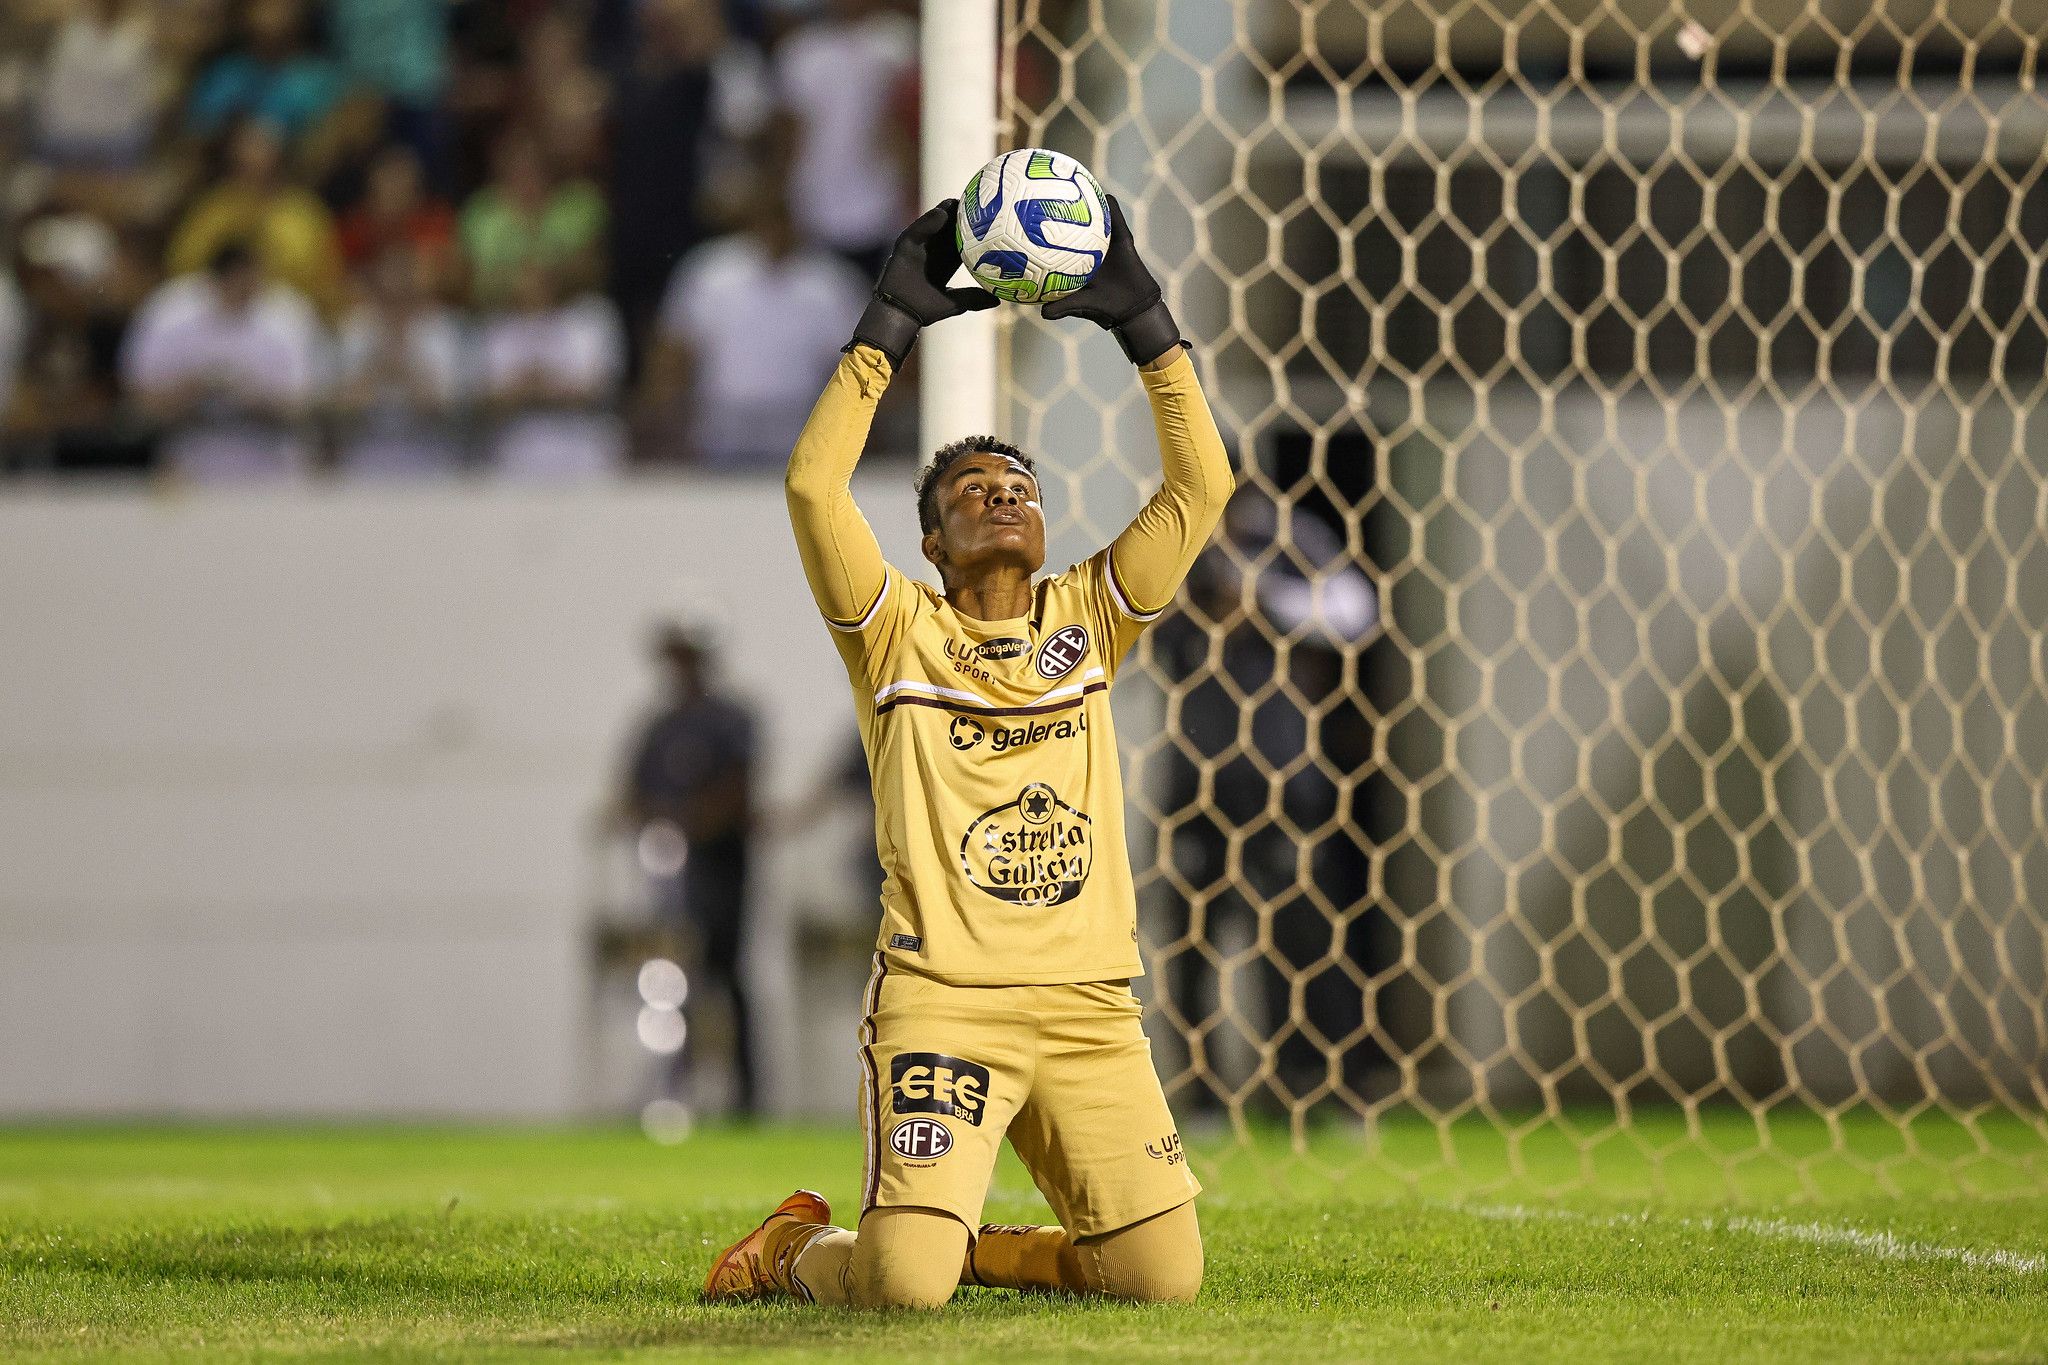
x=1669 y=381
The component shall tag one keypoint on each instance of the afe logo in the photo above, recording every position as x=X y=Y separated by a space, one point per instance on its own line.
x=933 y=1083
x=1058 y=655
x=920 y=1140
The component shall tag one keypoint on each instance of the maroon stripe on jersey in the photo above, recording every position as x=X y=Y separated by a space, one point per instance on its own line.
x=967 y=709
x=871 y=1116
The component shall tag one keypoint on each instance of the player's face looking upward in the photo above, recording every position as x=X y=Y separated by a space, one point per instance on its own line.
x=990 y=523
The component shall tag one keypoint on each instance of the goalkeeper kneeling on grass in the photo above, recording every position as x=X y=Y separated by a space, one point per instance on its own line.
x=1000 y=1000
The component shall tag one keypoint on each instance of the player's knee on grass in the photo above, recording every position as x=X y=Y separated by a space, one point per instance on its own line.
x=907 y=1258
x=1156 y=1261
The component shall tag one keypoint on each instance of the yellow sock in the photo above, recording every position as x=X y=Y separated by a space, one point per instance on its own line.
x=1005 y=1256
x=822 y=1268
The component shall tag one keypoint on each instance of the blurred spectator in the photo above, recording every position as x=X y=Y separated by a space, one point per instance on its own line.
x=13 y=340
x=399 y=49
x=396 y=211
x=524 y=217
x=658 y=144
x=692 y=772
x=551 y=368
x=78 y=284
x=850 y=180
x=230 y=363
x=266 y=74
x=749 y=332
x=399 y=375
x=289 y=226
x=97 y=102
x=562 y=100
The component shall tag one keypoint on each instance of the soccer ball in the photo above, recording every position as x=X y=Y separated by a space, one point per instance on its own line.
x=1033 y=226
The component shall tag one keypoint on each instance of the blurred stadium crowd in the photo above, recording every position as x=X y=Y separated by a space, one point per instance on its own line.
x=552 y=239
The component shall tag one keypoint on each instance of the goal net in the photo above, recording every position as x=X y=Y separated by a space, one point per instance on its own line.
x=1614 y=720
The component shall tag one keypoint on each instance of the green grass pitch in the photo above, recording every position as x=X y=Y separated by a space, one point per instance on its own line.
x=489 y=1244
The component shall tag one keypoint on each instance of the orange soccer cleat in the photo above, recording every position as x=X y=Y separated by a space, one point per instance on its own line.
x=757 y=1265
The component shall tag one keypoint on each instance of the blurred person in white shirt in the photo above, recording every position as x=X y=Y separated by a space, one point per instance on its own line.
x=843 y=81
x=100 y=88
x=231 y=365
x=399 y=374
x=749 y=331
x=551 y=370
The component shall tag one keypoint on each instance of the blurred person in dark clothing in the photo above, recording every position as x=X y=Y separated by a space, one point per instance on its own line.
x=663 y=119
x=1248 y=719
x=78 y=283
x=693 y=772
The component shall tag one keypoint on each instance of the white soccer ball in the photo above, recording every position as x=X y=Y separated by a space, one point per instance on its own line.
x=1033 y=226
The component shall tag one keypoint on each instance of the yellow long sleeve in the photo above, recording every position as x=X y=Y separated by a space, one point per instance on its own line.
x=842 y=559
x=1153 y=554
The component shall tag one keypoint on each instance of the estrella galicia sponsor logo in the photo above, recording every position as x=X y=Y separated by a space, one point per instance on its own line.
x=907 y=943
x=964 y=733
x=933 y=1083
x=1063 y=649
x=1166 y=1149
x=1004 y=647
x=1035 y=850
x=920 y=1140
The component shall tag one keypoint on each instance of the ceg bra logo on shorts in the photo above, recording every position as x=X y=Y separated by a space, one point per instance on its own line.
x=920 y=1140
x=1035 y=850
x=933 y=1083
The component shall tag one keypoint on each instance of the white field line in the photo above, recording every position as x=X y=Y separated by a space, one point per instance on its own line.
x=1883 y=1245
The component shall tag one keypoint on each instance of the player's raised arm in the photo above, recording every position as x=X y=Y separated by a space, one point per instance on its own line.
x=841 y=557
x=1153 y=554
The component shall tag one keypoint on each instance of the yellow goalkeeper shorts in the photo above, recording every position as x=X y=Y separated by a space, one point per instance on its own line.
x=1065 y=1071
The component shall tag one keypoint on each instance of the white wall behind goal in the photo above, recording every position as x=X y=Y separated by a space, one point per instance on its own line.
x=295 y=788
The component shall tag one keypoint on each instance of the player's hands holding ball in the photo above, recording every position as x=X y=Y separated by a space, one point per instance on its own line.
x=912 y=293
x=1123 y=298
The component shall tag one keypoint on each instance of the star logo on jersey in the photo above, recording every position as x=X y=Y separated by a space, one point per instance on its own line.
x=964 y=733
x=1036 y=801
x=1063 y=649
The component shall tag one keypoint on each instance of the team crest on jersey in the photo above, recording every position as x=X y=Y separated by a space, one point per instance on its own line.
x=1063 y=649
x=1035 y=850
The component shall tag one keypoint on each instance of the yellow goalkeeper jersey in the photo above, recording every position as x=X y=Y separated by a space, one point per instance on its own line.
x=998 y=798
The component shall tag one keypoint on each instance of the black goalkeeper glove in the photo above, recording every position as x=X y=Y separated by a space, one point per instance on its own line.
x=1122 y=296
x=912 y=292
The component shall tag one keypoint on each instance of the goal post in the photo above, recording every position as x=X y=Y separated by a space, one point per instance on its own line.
x=1672 y=376
x=957 y=52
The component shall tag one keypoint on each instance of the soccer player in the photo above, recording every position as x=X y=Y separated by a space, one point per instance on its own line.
x=1000 y=1001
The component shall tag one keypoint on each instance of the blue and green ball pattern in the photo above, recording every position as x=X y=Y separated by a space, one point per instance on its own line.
x=1029 y=247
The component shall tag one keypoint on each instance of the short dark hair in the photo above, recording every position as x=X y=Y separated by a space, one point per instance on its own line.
x=928 y=477
x=236 y=253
